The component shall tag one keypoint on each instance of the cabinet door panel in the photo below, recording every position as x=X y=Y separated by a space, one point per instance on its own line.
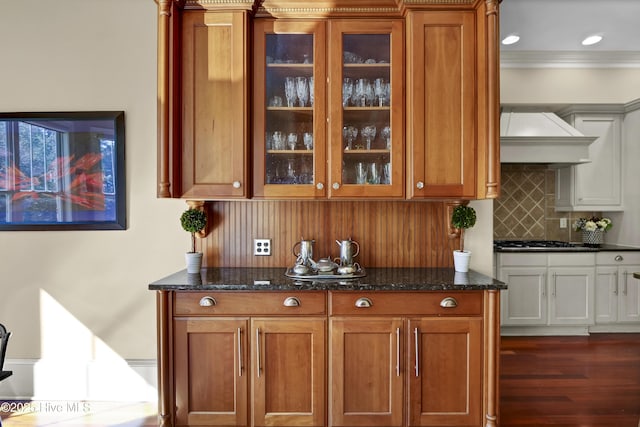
x=629 y=308
x=289 y=376
x=211 y=375
x=366 y=372
x=445 y=382
x=366 y=140
x=571 y=299
x=606 y=295
x=524 y=301
x=440 y=104
x=214 y=96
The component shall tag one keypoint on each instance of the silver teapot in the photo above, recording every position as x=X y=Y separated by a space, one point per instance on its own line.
x=305 y=254
x=349 y=249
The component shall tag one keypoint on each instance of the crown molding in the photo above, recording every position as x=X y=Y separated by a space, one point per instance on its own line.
x=569 y=59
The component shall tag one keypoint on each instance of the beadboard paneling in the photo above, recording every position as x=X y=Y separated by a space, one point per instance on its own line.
x=390 y=233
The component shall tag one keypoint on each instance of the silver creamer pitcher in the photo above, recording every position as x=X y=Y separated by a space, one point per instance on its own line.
x=305 y=253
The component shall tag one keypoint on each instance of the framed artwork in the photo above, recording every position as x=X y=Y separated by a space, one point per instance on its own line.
x=62 y=171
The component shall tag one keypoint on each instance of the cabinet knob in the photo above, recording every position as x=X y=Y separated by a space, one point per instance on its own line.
x=420 y=185
x=363 y=303
x=335 y=185
x=619 y=258
x=448 y=302
x=291 y=302
x=207 y=302
x=236 y=184
x=319 y=186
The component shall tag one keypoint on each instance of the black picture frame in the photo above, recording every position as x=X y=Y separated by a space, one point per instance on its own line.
x=62 y=170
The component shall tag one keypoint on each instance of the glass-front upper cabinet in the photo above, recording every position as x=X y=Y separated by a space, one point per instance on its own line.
x=366 y=102
x=289 y=110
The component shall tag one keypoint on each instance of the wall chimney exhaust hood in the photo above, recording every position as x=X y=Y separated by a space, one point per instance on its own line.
x=541 y=137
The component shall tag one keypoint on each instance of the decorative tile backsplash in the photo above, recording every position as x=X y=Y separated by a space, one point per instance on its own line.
x=526 y=206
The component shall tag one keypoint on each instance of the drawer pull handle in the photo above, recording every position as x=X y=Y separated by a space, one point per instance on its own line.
x=207 y=302
x=363 y=303
x=449 y=302
x=619 y=258
x=291 y=302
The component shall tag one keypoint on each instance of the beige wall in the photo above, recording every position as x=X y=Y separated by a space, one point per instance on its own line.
x=87 y=55
x=569 y=85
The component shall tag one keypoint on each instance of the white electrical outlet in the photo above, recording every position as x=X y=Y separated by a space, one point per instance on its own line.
x=262 y=247
x=563 y=222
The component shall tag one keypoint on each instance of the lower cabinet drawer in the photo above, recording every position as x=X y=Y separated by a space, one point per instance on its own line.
x=249 y=303
x=437 y=303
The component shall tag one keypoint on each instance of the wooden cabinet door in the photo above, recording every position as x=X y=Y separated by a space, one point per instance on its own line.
x=445 y=371
x=214 y=123
x=369 y=160
x=295 y=51
x=366 y=373
x=211 y=376
x=441 y=97
x=288 y=362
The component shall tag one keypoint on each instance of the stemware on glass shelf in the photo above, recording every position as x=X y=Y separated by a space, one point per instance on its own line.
x=350 y=133
x=290 y=91
x=368 y=133
x=359 y=92
x=379 y=89
x=292 y=141
x=278 y=140
x=311 y=94
x=385 y=134
x=302 y=90
x=347 y=91
x=373 y=173
x=307 y=139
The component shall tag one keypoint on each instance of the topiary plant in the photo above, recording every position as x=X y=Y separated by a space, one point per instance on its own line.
x=463 y=217
x=193 y=220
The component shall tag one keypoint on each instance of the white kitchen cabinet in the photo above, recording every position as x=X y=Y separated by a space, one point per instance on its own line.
x=617 y=293
x=548 y=293
x=594 y=186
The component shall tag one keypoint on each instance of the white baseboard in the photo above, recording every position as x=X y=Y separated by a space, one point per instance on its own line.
x=116 y=380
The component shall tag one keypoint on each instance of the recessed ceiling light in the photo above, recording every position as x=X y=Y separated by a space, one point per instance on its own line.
x=591 y=40
x=511 y=39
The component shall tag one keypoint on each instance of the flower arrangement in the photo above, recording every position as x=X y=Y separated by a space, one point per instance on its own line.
x=593 y=224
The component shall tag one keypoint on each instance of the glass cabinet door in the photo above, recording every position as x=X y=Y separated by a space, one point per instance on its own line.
x=289 y=105
x=366 y=75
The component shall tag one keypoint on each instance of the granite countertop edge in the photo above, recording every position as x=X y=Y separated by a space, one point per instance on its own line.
x=375 y=279
x=602 y=248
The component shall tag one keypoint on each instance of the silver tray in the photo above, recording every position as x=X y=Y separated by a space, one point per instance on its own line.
x=322 y=275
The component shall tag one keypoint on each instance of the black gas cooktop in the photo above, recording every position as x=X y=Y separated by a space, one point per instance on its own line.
x=537 y=245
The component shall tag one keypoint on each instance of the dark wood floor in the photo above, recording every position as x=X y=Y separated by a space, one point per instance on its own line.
x=570 y=381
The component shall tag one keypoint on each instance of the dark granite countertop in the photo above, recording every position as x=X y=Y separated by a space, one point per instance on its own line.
x=376 y=279
x=580 y=249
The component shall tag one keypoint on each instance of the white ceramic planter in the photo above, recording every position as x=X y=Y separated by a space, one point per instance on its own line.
x=461 y=261
x=194 y=261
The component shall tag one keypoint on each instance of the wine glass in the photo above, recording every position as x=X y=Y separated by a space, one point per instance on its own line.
x=369 y=94
x=307 y=138
x=302 y=89
x=292 y=140
x=290 y=91
x=311 y=91
x=385 y=134
x=349 y=133
x=368 y=133
x=359 y=89
x=379 y=88
x=347 y=91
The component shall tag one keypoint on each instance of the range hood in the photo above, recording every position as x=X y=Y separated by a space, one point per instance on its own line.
x=541 y=137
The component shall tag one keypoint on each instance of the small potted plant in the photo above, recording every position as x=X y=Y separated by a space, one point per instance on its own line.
x=192 y=221
x=593 y=229
x=463 y=217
